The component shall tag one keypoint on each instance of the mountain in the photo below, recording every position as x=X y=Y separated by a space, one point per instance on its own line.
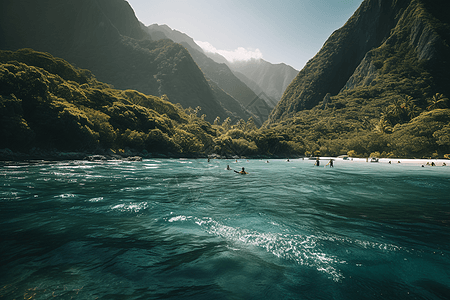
x=159 y=32
x=267 y=80
x=389 y=47
x=105 y=37
x=238 y=96
x=378 y=87
x=257 y=84
x=50 y=109
x=262 y=76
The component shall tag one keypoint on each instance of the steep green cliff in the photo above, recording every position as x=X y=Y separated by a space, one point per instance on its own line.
x=392 y=47
x=379 y=86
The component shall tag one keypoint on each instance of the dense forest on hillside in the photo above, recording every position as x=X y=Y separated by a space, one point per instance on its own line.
x=105 y=37
x=47 y=103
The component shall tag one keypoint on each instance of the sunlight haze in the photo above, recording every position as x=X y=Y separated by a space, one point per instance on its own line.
x=291 y=32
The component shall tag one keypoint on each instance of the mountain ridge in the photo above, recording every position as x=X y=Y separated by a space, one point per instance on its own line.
x=106 y=37
x=375 y=26
x=272 y=79
x=239 y=94
x=390 y=99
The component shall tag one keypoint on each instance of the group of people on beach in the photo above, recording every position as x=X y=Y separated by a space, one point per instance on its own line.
x=317 y=163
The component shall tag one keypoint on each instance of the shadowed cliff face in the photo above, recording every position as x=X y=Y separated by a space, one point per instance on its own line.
x=62 y=25
x=272 y=79
x=346 y=59
x=233 y=94
x=105 y=37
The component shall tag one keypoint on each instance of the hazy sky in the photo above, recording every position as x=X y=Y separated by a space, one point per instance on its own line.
x=289 y=31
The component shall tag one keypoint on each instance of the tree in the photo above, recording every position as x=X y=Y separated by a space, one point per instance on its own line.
x=197 y=110
x=410 y=107
x=251 y=124
x=226 y=124
x=437 y=101
x=383 y=126
x=240 y=124
x=408 y=101
x=396 y=108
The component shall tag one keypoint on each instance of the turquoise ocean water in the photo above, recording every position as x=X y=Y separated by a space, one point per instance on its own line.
x=190 y=229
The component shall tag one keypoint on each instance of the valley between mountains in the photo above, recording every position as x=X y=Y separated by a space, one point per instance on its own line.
x=88 y=77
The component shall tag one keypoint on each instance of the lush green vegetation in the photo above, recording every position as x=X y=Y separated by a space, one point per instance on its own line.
x=394 y=105
x=359 y=128
x=47 y=103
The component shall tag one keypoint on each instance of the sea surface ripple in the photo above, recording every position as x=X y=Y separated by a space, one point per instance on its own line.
x=190 y=229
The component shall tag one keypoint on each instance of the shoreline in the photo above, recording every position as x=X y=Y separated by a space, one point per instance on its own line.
x=7 y=155
x=439 y=162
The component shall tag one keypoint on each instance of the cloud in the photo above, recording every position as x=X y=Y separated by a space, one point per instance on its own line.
x=238 y=54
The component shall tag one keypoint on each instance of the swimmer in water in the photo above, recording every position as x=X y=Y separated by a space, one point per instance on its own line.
x=242 y=171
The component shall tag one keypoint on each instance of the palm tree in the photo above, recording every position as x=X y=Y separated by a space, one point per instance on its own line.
x=396 y=108
x=437 y=101
x=410 y=107
x=414 y=111
x=383 y=126
x=385 y=113
x=408 y=101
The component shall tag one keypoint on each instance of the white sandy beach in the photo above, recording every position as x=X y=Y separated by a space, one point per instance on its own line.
x=418 y=162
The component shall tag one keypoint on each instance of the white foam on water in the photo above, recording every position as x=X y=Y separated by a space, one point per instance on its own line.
x=298 y=248
x=130 y=207
x=98 y=199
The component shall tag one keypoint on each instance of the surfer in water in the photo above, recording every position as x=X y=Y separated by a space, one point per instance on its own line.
x=242 y=171
x=317 y=162
x=228 y=167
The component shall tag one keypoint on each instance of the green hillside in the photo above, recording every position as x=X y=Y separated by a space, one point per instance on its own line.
x=378 y=86
x=105 y=37
x=47 y=103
